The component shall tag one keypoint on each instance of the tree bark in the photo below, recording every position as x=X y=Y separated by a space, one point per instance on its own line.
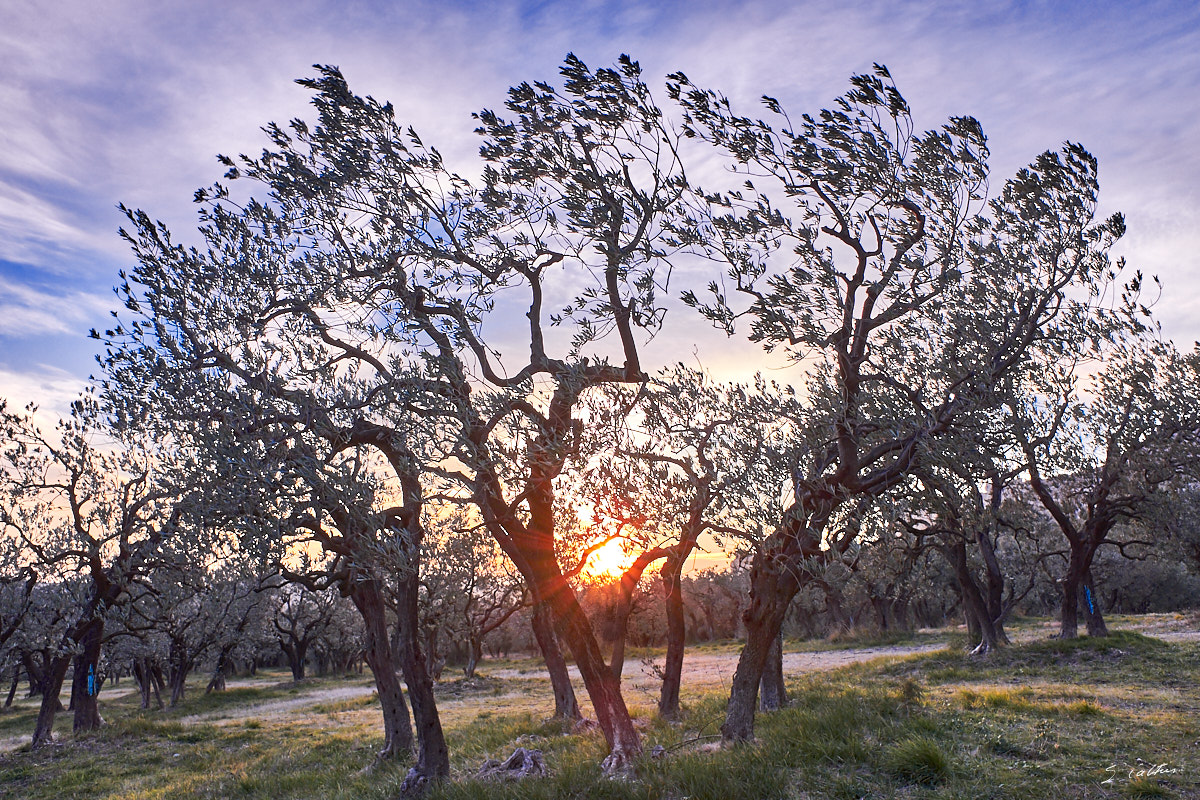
x=772 y=690
x=397 y=727
x=603 y=688
x=474 y=654
x=177 y=675
x=763 y=621
x=216 y=682
x=16 y=681
x=56 y=673
x=1091 y=607
x=566 y=706
x=776 y=575
x=35 y=672
x=297 y=654
x=143 y=673
x=84 y=688
x=979 y=616
x=1070 y=595
x=672 y=585
x=433 y=758
x=995 y=585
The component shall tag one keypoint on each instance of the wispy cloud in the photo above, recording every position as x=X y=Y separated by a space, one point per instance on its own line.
x=52 y=389
x=27 y=312
x=129 y=101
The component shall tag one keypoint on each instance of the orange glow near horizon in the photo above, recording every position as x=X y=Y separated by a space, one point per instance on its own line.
x=608 y=562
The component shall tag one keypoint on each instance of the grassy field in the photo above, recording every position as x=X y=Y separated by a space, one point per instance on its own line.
x=1109 y=718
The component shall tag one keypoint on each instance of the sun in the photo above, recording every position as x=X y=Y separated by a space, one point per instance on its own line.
x=608 y=561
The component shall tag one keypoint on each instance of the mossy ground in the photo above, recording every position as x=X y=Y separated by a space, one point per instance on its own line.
x=1110 y=718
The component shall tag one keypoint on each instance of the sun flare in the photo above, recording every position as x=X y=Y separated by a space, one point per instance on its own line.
x=608 y=561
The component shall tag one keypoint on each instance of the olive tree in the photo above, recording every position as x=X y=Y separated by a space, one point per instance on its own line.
x=93 y=512
x=697 y=458
x=469 y=589
x=358 y=302
x=865 y=250
x=1101 y=452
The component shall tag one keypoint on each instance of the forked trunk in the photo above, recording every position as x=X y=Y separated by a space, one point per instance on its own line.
x=144 y=675
x=216 y=683
x=297 y=655
x=995 y=586
x=774 y=580
x=180 y=667
x=433 y=759
x=474 y=655
x=776 y=574
x=36 y=670
x=397 y=727
x=603 y=688
x=980 y=622
x=763 y=622
x=550 y=588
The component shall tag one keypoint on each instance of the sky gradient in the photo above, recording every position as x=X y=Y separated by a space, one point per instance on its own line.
x=108 y=102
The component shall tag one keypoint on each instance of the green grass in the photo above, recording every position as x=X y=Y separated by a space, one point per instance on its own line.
x=918 y=759
x=1089 y=718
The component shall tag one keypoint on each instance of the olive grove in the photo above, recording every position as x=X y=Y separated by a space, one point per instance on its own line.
x=426 y=394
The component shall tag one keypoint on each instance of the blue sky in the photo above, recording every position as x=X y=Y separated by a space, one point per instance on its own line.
x=106 y=102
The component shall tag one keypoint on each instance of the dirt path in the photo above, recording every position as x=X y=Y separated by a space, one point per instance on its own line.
x=1176 y=636
x=272 y=709
x=700 y=670
x=707 y=670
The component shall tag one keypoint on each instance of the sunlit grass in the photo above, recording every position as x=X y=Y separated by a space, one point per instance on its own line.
x=1044 y=719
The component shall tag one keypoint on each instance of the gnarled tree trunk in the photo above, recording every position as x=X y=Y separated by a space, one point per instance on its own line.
x=1091 y=607
x=143 y=673
x=772 y=690
x=672 y=586
x=549 y=586
x=181 y=665
x=216 y=682
x=85 y=683
x=979 y=616
x=1071 y=583
x=566 y=706
x=474 y=655
x=397 y=728
x=776 y=575
x=433 y=759
x=56 y=673
x=995 y=586
x=764 y=618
